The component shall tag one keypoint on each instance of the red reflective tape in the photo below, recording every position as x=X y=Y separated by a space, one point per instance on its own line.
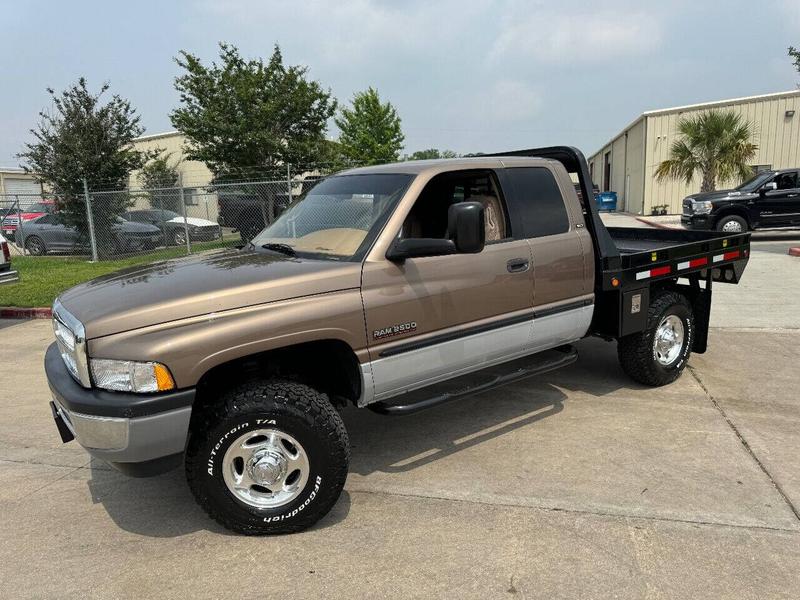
x=730 y=255
x=659 y=271
x=698 y=262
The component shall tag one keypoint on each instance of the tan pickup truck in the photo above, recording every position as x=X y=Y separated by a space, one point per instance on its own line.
x=394 y=287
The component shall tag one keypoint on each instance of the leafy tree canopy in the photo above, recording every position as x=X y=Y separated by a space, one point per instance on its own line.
x=794 y=54
x=714 y=144
x=244 y=117
x=371 y=130
x=85 y=137
x=432 y=153
x=159 y=178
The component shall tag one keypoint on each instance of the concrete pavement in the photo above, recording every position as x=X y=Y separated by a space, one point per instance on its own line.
x=577 y=483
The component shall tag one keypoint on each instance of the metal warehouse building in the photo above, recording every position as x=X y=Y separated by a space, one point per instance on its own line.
x=627 y=163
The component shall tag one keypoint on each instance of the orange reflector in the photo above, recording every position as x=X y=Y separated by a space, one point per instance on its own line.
x=614 y=282
x=163 y=378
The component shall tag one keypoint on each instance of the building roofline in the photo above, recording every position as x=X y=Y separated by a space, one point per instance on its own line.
x=155 y=136
x=700 y=105
x=18 y=170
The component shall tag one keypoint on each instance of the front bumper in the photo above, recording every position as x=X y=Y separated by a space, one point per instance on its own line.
x=697 y=221
x=127 y=430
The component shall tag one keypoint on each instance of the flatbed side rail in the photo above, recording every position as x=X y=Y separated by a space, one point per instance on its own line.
x=725 y=255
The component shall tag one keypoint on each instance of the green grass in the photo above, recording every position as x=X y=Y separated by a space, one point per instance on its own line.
x=42 y=278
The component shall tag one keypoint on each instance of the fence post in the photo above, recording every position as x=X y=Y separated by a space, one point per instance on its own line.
x=183 y=211
x=19 y=237
x=288 y=184
x=90 y=218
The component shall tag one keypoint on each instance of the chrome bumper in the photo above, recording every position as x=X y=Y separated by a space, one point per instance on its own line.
x=129 y=440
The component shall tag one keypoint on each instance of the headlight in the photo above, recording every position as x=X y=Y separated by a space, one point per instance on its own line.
x=131 y=376
x=701 y=207
x=71 y=340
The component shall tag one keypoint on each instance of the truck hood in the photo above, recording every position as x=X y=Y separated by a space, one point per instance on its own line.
x=720 y=195
x=200 y=284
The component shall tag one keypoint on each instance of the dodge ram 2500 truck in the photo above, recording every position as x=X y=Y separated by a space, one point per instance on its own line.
x=393 y=287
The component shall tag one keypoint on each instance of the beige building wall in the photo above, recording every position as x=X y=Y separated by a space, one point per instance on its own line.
x=195 y=176
x=649 y=139
x=16 y=175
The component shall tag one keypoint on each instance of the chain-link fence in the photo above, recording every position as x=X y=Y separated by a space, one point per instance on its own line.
x=102 y=225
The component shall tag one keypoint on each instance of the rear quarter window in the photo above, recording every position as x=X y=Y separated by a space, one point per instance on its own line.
x=538 y=200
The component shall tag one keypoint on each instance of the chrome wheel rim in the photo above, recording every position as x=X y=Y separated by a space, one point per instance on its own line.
x=732 y=227
x=180 y=238
x=668 y=340
x=265 y=468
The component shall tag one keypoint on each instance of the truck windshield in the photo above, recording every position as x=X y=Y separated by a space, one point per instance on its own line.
x=338 y=218
x=752 y=184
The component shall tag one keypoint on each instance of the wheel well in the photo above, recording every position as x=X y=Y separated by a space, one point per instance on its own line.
x=329 y=366
x=736 y=211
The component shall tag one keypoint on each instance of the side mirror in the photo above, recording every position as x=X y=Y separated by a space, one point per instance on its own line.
x=466 y=226
x=769 y=187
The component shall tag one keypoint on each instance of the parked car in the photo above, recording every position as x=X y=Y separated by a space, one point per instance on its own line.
x=395 y=287
x=10 y=221
x=768 y=199
x=49 y=233
x=172 y=226
x=6 y=274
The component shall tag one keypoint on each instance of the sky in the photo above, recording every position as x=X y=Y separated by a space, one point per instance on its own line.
x=471 y=76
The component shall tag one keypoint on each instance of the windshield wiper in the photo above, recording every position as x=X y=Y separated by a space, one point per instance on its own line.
x=282 y=248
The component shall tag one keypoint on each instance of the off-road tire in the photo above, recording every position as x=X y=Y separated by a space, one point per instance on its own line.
x=291 y=407
x=35 y=245
x=636 y=351
x=732 y=219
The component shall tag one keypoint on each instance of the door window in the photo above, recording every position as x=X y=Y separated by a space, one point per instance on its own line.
x=428 y=216
x=786 y=181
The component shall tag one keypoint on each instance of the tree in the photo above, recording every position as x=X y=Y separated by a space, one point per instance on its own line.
x=715 y=144
x=794 y=54
x=432 y=153
x=160 y=178
x=242 y=117
x=86 y=138
x=371 y=130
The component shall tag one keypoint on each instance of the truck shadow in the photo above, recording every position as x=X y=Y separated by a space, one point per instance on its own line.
x=163 y=506
x=400 y=444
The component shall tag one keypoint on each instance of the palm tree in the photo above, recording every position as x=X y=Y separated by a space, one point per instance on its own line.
x=715 y=144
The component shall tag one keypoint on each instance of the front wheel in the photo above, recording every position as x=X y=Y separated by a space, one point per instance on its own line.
x=732 y=224
x=35 y=246
x=271 y=457
x=658 y=355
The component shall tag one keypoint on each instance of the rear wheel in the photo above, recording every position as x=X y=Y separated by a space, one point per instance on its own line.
x=658 y=355
x=732 y=224
x=271 y=457
x=35 y=246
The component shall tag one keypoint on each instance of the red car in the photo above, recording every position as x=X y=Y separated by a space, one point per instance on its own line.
x=32 y=211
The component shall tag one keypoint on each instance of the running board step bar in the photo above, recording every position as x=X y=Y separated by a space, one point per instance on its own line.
x=479 y=381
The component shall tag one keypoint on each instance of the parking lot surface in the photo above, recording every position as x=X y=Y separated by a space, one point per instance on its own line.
x=577 y=483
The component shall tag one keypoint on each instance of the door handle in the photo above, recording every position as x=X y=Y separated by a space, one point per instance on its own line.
x=517 y=265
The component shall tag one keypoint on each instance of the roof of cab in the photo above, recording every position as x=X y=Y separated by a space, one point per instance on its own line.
x=415 y=167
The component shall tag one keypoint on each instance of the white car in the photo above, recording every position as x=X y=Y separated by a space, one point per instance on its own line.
x=7 y=275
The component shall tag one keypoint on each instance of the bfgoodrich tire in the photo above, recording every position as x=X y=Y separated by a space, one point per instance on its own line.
x=271 y=457
x=658 y=355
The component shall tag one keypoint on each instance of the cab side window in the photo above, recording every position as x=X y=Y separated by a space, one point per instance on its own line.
x=786 y=181
x=539 y=200
x=428 y=216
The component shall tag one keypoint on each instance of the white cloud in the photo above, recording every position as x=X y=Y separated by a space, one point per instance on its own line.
x=566 y=35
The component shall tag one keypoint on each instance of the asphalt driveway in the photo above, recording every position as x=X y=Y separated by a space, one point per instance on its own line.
x=574 y=484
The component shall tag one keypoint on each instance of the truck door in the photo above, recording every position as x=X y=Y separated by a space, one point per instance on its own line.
x=429 y=319
x=563 y=260
x=780 y=207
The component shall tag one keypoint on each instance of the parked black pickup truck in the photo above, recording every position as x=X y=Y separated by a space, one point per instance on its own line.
x=769 y=199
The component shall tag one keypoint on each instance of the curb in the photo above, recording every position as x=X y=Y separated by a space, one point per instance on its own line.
x=794 y=251
x=13 y=312
x=655 y=224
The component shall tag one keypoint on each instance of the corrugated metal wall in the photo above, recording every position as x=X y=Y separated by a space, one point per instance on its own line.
x=777 y=137
x=627 y=167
